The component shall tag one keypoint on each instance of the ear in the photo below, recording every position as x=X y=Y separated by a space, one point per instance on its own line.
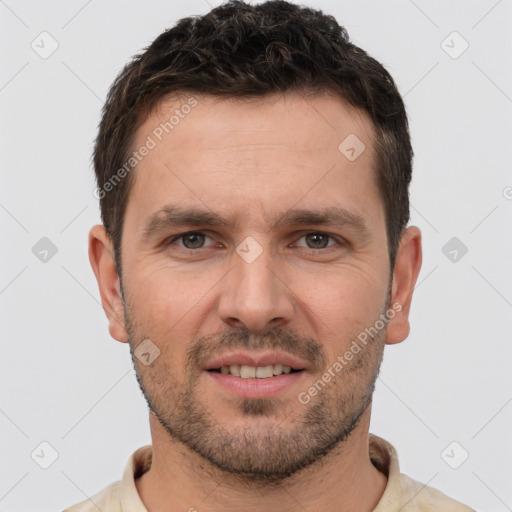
x=407 y=267
x=101 y=256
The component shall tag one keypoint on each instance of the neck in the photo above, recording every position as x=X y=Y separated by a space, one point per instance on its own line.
x=180 y=479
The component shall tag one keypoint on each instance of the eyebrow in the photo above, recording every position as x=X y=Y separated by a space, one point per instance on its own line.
x=175 y=216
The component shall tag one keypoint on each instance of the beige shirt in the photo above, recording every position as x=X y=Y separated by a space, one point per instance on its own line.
x=402 y=494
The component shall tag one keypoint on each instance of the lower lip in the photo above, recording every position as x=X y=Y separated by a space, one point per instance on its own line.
x=256 y=388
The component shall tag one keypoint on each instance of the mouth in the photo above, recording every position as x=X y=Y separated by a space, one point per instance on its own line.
x=255 y=372
x=255 y=375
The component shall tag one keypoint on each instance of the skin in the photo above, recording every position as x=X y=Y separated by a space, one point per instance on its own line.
x=248 y=160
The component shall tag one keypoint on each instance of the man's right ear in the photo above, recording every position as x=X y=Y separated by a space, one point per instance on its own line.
x=101 y=256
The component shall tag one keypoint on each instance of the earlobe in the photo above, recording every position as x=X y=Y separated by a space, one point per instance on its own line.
x=407 y=267
x=101 y=257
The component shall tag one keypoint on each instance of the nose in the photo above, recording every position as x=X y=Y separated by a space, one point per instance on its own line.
x=255 y=295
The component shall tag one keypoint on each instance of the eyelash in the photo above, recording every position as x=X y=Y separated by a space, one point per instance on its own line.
x=340 y=241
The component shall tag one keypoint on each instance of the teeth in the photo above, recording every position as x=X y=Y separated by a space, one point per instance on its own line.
x=252 y=372
x=278 y=369
x=263 y=372
x=235 y=370
x=247 y=372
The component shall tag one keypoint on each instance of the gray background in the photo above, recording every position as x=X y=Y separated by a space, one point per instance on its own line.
x=67 y=383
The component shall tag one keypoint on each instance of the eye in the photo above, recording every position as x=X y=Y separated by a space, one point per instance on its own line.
x=194 y=240
x=318 y=240
x=191 y=240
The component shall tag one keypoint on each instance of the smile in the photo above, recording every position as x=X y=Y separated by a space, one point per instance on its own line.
x=255 y=372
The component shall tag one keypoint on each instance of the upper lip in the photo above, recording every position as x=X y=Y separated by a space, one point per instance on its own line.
x=255 y=359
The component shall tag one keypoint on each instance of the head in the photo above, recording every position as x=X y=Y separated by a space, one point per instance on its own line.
x=283 y=151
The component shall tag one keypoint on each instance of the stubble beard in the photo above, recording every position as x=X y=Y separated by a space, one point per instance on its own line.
x=264 y=450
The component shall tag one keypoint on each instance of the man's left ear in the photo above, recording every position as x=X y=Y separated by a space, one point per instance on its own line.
x=407 y=267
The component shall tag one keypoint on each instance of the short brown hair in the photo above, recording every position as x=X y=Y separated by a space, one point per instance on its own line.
x=239 y=50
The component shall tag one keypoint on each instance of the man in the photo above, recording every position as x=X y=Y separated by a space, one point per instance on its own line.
x=253 y=169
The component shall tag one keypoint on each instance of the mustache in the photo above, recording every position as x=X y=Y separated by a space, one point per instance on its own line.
x=204 y=348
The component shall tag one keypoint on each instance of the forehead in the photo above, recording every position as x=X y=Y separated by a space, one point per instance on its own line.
x=318 y=120
x=258 y=154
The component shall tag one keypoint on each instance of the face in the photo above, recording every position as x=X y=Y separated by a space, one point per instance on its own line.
x=252 y=245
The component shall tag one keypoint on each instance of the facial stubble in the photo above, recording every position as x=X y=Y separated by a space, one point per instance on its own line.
x=264 y=450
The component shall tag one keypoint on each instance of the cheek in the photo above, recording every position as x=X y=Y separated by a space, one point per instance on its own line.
x=344 y=303
x=167 y=290
x=161 y=308
x=169 y=303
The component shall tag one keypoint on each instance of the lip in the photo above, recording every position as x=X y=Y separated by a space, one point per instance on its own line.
x=255 y=388
x=256 y=359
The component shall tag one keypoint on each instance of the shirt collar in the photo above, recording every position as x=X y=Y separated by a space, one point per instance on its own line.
x=382 y=455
